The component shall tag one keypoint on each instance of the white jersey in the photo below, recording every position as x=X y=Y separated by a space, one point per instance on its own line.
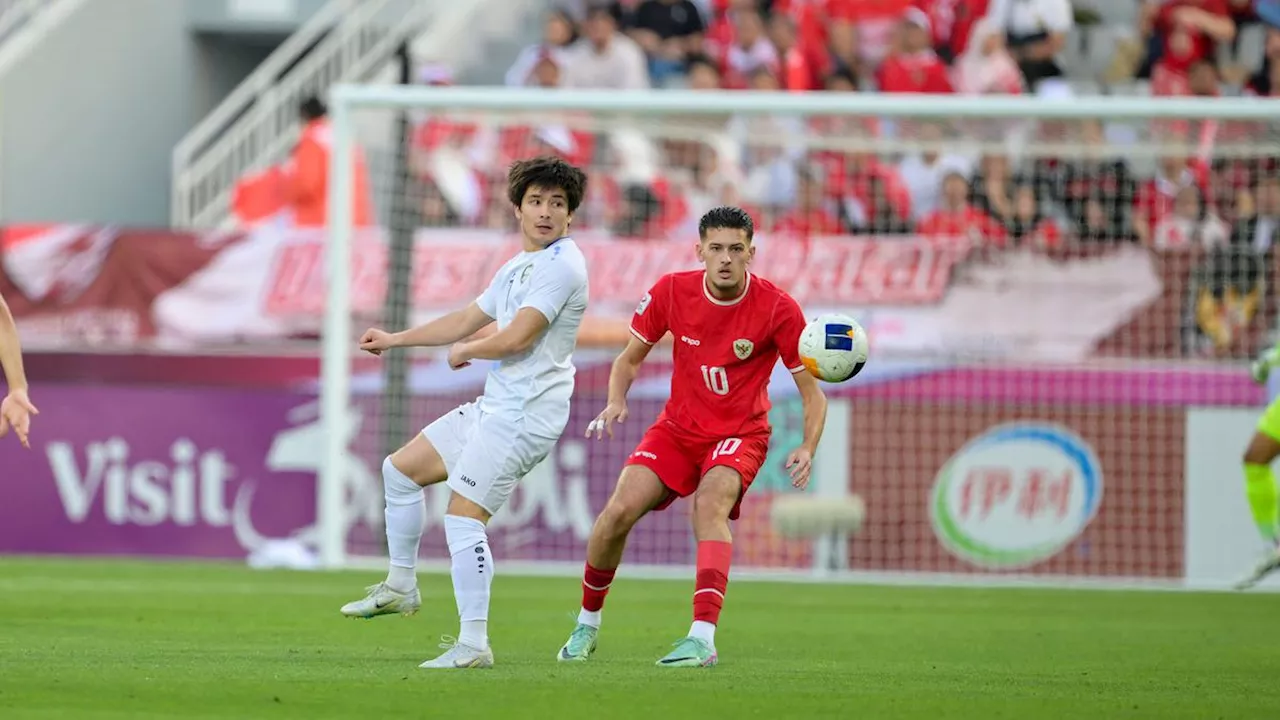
x=535 y=386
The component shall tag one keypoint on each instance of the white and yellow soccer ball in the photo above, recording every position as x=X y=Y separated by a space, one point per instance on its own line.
x=833 y=347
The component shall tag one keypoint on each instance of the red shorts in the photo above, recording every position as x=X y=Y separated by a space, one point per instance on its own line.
x=680 y=461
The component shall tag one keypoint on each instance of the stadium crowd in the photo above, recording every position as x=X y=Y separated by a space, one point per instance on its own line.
x=845 y=175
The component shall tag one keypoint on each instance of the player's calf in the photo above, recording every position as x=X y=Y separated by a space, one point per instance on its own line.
x=717 y=494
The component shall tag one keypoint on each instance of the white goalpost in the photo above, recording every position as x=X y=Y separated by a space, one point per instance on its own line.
x=1054 y=289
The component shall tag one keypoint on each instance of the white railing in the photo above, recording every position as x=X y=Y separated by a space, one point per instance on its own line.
x=258 y=123
x=24 y=22
x=15 y=13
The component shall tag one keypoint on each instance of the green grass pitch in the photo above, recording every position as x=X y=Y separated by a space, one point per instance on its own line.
x=99 y=639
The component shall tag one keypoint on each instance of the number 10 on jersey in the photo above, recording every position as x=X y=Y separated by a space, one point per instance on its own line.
x=716 y=378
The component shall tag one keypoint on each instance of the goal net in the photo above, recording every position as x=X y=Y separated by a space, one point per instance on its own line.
x=1056 y=293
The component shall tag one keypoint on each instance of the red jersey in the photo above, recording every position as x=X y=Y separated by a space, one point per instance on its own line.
x=724 y=351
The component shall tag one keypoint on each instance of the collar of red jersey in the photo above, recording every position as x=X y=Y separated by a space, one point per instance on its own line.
x=706 y=292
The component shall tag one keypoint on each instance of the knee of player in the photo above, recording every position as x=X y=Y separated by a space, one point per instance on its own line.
x=716 y=496
x=1262 y=450
x=618 y=517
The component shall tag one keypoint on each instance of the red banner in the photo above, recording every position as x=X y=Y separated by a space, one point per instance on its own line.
x=77 y=285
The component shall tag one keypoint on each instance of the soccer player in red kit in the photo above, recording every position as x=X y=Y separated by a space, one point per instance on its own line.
x=729 y=327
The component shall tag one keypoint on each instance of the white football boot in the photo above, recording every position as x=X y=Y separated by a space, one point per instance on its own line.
x=383 y=600
x=459 y=657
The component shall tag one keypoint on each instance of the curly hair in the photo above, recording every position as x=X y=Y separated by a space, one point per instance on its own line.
x=548 y=173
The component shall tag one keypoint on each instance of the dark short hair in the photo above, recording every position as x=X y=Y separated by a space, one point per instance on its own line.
x=312 y=108
x=548 y=173
x=726 y=217
x=693 y=60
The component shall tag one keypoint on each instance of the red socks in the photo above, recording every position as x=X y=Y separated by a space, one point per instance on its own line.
x=708 y=595
x=713 y=578
x=595 y=585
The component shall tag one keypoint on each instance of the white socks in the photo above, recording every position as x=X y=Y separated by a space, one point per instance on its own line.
x=472 y=577
x=704 y=631
x=589 y=617
x=406 y=512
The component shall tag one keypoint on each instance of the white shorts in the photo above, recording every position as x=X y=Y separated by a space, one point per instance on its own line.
x=485 y=454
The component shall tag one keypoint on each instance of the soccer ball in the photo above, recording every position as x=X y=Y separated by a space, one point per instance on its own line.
x=833 y=347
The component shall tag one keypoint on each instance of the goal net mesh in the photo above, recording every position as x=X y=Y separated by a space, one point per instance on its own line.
x=1045 y=298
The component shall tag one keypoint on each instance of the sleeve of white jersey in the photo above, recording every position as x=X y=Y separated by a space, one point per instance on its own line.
x=488 y=300
x=553 y=285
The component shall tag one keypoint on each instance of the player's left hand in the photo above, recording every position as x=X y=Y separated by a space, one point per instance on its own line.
x=458 y=357
x=800 y=463
x=16 y=411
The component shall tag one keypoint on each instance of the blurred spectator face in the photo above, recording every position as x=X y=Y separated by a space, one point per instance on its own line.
x=929 y=134
x=600 y=26
x=558 y=31
x=842 y=39
x=995 y=167
x=1024 y=203
x=839 y=83
x=764 y=80
x=810 y=191
x=704 y=76
x=914 y=36
x=748 y=27
x=1171 y=167
x=1187 y=204
x=546 y=74
x=1095 y=218
x=743 y=5
x=1273 y=43
x=782 y=32
x=1269 y=197
x=992 y=44
x=1203 y=79
x=955 y=190
x=1091 y=132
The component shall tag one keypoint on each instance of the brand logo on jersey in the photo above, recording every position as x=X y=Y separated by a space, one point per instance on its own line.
x=644 y=304
x=524 y=274
x=690 y=341
x=1016 y=495
x=742 y=347
x=645 y=454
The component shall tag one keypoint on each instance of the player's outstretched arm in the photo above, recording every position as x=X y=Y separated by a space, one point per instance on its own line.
x=623 y=373
x=517 y=337
x=16 y=408
x=800 y=461
x=444 y=330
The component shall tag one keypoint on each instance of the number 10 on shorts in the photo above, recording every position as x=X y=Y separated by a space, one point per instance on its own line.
x=716 y=378
x=728 y=446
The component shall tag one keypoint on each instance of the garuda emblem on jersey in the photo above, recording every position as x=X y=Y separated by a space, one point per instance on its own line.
x=524 y=274
x=742 y=347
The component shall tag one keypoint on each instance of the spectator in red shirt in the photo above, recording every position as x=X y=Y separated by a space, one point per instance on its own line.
x=915 y=68
x=1155 y=198
x=799 y=72
x=952 y=22
x=1189 y=30
x=956 y=222
x=813 y=213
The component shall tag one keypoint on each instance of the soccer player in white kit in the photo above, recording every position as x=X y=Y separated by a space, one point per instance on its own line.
x=483 y=448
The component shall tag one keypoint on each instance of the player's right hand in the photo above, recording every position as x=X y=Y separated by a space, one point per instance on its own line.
x=374 y=341
x=16 y=411
x=603 y=424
